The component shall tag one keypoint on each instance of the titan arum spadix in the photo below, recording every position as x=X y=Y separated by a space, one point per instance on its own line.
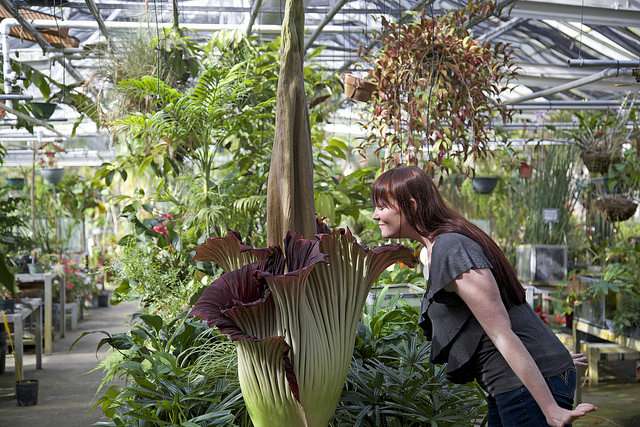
x=293 y=316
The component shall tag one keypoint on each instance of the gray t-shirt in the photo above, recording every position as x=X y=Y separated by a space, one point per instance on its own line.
x=457 y=337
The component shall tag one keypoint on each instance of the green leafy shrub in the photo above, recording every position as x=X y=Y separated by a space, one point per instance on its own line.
x=176 y=373
x=392 y=382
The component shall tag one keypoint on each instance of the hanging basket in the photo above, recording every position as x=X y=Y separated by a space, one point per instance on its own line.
x=42 y=110
x=357 y=88
x=53 y=176
x=597 y=161
x=616 y=208
x=484 y=184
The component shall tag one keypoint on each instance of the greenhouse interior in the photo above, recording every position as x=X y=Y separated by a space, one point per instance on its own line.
x=195 y=193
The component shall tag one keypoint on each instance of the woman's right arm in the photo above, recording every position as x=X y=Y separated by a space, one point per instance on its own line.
x=479 y=290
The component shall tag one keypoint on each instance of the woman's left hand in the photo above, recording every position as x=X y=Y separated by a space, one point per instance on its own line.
x=579 y=359
x=559 y=417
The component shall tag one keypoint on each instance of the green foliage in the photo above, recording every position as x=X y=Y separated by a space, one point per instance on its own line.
x=401 y=274
x=207 y=149
x=627 y=316
x=339 y=195
x=154 y=265
x=160 y=382
x=436 y=90
x=392 y=382
x=552 y=186
x=624 y=176
x=603 y=131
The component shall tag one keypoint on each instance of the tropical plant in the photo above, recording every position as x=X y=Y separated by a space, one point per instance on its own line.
x=624 y=176
x=293 y=314
x=437 y=91
x=551 y=187
x=384 y=324
x=601 y=135
x=14 y=237
x=402 y=388
x=153 y=265
x=627 y=315
x=166 y=381
x=392 y=382
x=401 y=274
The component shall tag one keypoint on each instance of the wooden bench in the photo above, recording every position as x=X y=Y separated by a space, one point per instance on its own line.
x=594 y=350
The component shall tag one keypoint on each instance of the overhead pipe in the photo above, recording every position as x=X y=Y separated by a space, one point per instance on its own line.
x=604 y=74
x=565 y=105
x=602 y=63
x=15 y=97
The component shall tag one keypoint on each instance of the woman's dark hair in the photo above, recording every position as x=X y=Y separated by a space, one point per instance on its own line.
x=433 y=217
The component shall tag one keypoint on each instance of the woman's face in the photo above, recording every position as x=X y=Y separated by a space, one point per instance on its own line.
x=390 y=221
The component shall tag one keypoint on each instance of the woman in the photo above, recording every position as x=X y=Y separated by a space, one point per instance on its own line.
x=474 y=311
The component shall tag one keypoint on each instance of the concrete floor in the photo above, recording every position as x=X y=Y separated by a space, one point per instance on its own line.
x=66 y=388
x=618 y=405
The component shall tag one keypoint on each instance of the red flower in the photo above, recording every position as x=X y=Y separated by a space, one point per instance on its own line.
x=167 y=216
x=161 y=229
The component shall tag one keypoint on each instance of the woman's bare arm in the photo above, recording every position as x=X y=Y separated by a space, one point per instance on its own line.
x=479 y=291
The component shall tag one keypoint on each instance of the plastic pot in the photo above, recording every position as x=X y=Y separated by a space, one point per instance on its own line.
x=8 y=305
x=53 y=176
x=27 y=392
x=15 y=183
x=484 y=184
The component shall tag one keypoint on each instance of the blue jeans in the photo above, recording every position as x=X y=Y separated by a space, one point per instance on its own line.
x=516 y=408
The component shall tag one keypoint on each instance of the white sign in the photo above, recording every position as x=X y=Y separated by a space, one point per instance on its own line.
x=550 y=215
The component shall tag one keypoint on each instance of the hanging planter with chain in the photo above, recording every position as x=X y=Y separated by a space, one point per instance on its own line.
x=437 y=90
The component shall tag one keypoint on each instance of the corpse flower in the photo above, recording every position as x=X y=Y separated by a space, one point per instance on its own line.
x=293 y=315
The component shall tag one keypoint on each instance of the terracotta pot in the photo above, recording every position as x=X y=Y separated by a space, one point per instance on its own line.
x=525 y=170
x=357 y=88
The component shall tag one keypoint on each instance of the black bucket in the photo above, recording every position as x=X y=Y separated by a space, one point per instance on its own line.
x=27 y=392
x=103 y=300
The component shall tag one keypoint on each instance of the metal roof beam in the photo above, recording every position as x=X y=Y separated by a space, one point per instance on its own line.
x=607 y=73
x=255 y=8
x=336 y=8
x=501 y=29
x=96 y=14
x=593 y=12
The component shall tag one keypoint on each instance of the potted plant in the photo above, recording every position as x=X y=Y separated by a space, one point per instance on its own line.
x=49 y=163
x=26 y=390
x=601 y=135
x=357 y=88
x=428 y=73
x=620 y=189
x=548 y=200
x=484 y=184
x=486 y=174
